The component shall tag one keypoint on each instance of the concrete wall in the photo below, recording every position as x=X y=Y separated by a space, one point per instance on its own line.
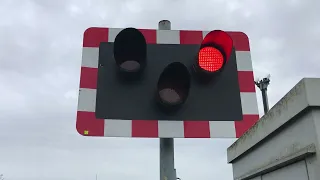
x=280 y=145
x=290 y=140
x=284 y=140
x=296 y=171
x=313 y=162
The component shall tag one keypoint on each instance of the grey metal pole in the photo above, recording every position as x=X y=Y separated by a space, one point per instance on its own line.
x=167 y=170
x=265 y=101
x=263 y=86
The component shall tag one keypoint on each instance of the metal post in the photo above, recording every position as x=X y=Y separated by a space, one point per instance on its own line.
x=167 y=170
x=263 y=86
x=265 y=100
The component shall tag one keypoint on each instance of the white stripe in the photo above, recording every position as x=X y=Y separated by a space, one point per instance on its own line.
x=170 y=129
x=113 y=32
x=90 y=57
x=244 y=62
x=117 y=128
x=87 y=100
x=168 y=37
x=204 y=33
x=249 y=103
x=222 y=129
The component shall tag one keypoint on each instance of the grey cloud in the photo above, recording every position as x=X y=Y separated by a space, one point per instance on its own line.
x=40 y=57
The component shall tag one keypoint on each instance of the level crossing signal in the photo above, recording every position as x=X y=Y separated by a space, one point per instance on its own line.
x=139 y=78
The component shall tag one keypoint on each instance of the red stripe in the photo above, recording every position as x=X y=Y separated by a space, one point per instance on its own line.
x=240 y=41
x=145 y=128
x=86 y=121
x=247 y=122
x=93 y=36
x=196 y=129
x=191 y=37
x=246 y=81
x=88 y=78
x=150 y=35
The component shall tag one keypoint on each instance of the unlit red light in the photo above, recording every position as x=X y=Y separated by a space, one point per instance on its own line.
x=130 y=65
x=169 y=95
x=210 y=59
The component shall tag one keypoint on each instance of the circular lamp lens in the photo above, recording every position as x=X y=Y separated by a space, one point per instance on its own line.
x=210 y=59
x=169 y=96
x=130 y=66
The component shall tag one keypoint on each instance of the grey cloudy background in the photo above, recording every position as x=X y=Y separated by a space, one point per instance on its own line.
x=40 y=57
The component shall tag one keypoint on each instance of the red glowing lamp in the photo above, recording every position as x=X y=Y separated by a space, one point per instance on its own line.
x=210 y=59
x=214 y=53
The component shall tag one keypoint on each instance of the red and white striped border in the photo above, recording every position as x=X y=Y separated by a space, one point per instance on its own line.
x=88 y=125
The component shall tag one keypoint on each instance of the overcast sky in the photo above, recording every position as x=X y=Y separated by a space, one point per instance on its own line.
x=40 y=57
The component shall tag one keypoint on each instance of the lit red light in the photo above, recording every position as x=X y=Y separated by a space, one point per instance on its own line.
x=210 y=59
